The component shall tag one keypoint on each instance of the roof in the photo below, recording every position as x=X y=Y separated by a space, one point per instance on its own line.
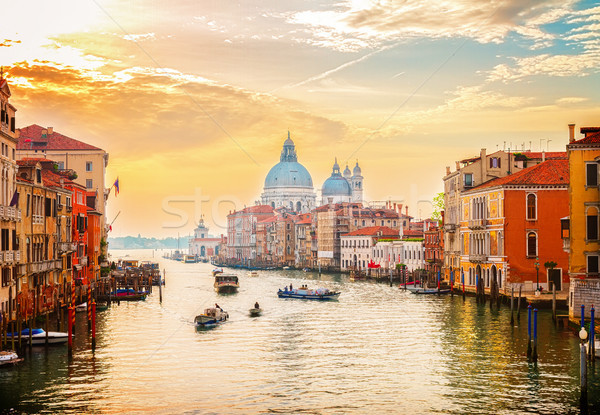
x=412 y=232
x=593 y=138
x=31 y=139
x=548 y=173
x=549 y=155
x=374 y=231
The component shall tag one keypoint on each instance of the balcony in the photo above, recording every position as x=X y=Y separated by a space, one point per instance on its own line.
x=69 y=208
x=83 y=261
x=476 y=224
x=477 y=258
x=450 y=227
x=9 y=256
x=566 y=245
x=10 y=213
x=66 y=246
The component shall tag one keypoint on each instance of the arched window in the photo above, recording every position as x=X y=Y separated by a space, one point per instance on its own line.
x=298 y=206
x=531 y=206
x=592 y=224
x=532 y=244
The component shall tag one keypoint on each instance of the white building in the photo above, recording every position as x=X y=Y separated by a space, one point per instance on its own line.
x=357 y=247
x=388 y=254
x=203 y=245
x=288 y=183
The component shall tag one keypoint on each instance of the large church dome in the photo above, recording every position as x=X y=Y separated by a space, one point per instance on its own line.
x=288 y=174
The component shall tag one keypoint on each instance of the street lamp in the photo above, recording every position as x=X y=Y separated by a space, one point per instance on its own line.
x=537 y=272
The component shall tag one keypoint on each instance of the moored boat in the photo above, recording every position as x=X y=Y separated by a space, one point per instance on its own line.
x=123 y=294
x=321 y=294
x=424 y=290
x=8 y=357
x=38 y=336
x=211 y=317
x=226 y=283
x=253 y=274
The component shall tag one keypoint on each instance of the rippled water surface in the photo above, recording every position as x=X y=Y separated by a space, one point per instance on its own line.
x=377 y=350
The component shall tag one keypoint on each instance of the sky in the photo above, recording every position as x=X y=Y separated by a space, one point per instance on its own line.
x=193 y=99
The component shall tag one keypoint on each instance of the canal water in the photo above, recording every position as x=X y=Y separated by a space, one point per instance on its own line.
x=377 y=350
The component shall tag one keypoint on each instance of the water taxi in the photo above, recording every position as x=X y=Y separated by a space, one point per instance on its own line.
x=211 y=317
x=322 y=294
x=225 y=283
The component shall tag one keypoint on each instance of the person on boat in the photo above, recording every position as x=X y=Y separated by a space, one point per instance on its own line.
x=256 y=305
x=285 y=290
x=291 y=288
x=218 y=306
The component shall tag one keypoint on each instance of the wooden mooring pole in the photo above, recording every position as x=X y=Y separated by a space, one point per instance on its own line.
x=512 y=301
x=519 y=305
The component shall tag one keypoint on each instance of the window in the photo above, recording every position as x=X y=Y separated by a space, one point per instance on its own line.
x=531 y=244
x=88 y=166
x=89 y=183
x=592 y=224
x=495 y=162
x=592 y=264
x=468 y=179
x=61 y=165
x=591 y=174
x=531 y=207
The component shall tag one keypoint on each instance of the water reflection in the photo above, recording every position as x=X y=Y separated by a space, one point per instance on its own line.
x=377 y=350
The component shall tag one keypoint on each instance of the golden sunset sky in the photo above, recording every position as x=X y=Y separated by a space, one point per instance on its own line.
x=193 y=99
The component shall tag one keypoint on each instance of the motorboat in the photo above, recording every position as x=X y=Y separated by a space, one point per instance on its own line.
x=253 y=274
x=38 y=336
x=255 y=312
x=425 y=290
x=321 y=294
x=189 y=259
x=217 y=271
x=286 y=268
x=226 y=283
x=211 y=317
x=8 y=357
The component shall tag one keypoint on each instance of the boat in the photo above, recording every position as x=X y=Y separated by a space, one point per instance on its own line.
x=189 y=259
x=425 y=290
x=286 y=268
x=38 y=336
x=8 y=357
x=255 y=312
x=81 y=307
x=226 y=283
x=306 y=269
x=125 y=294
x=211 y=317
x=217 y=271
x=322 y=294
x=253 y=274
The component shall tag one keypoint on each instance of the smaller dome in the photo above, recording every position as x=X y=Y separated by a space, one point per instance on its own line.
x=289 y=141
x=336 y=186
x=347 y=172
x=356 y=171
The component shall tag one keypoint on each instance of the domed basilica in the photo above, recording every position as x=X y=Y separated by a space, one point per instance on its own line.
x=289 y=184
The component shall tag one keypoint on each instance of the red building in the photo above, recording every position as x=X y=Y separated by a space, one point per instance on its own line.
x=79 y=233
x=434 y=248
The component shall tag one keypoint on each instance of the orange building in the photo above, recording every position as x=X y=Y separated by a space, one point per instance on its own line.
x=510 y=228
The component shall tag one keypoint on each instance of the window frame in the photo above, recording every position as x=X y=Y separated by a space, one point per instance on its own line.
x=527 y=246
x=587 y=174
x=527 y=207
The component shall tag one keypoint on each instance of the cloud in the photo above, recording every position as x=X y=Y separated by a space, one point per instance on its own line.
x=566 y=101
x=140 y=37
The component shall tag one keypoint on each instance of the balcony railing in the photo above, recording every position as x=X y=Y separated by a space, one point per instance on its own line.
x=9 y=256
x=10 y=213
x=66 y=246
x=83 y=261
x=477 y=223
x=566 y=244
x=477 y=257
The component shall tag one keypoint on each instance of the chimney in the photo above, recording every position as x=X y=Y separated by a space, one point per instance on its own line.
x=484 y=165
x=44 y=133
x=50 y=130
x=571 y=133
x=406 y=207
x=458 y=165
x=543 y=156
x=447 y=170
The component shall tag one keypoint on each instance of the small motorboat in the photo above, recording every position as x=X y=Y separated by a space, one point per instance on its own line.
x=306 y=269
x=286 y=268
x=81 y=307
x=8 y=357
x=322 y=294
x=38 y=337
x=211 y=317
x=425 y=290
x=226 y=283
x=255 y=312
x=253 y=274
x=217 y=271
x=128 y=294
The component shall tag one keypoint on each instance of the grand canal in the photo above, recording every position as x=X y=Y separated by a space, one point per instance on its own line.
x=377 y=350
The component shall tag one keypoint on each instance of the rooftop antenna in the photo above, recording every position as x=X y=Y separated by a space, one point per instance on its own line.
x=530 y=145
x=1 y=72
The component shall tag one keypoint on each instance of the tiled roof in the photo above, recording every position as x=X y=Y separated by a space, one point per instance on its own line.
x=412 y=232
x=268 y=220
x=29 y=162
x=54 y=141
x=593 y=138
x=373 y=231
x=548 y=173
x=550 y=155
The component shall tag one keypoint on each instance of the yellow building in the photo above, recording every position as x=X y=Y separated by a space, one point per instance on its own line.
x=583 y=243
